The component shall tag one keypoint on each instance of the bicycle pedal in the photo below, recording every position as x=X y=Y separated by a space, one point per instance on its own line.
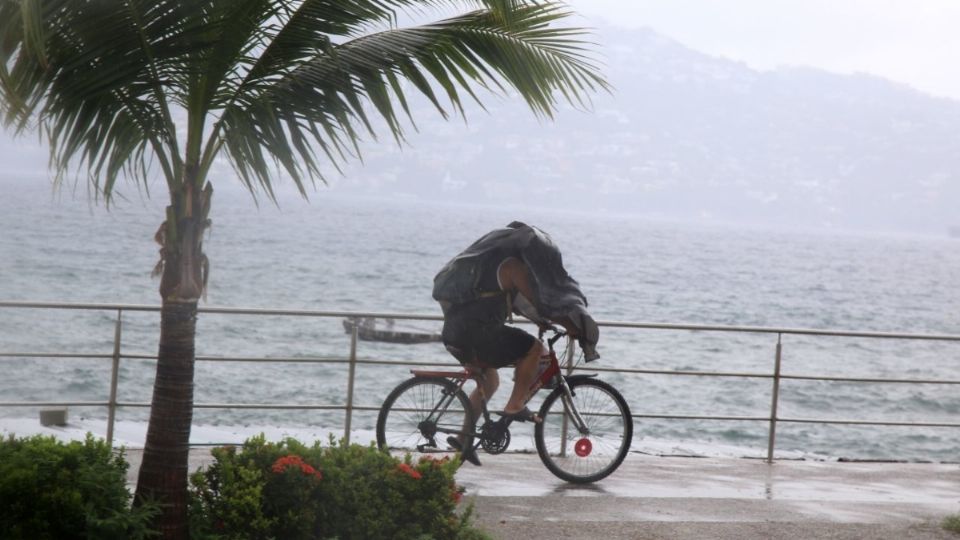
x=422 y=448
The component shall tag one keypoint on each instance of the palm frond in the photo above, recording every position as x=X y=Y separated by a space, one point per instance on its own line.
x=322 y=99
x=97 y=75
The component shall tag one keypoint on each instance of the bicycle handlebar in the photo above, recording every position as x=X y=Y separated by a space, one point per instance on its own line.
x=590 y=353
x=557 y=334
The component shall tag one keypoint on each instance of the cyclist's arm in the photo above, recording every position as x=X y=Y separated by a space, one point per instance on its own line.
x=514 y=277
x=513 y=274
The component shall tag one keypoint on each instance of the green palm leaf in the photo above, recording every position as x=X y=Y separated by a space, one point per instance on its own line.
x=322 y=98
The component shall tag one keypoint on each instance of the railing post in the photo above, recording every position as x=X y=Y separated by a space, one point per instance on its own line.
x=114 y=376
x=350 y=378
x=774 y=400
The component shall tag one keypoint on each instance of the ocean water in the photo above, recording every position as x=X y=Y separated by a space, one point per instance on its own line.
x=337 y=253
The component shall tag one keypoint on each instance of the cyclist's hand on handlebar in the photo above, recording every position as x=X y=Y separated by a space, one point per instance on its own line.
x=545 y=327
x=570 y=328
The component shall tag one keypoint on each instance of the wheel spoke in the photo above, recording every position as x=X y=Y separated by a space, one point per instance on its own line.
x=601 y=451
x=408 y=420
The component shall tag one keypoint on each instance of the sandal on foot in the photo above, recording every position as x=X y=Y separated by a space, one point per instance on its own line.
x=523 y=415
x=469 y=454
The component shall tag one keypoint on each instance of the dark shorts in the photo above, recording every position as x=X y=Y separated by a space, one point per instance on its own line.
x=484 y=341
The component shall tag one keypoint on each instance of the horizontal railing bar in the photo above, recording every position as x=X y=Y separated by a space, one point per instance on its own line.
x=311 y=313
x=222 y=310
x=283 y=406
x=677 y=372
x=53 y=355
x=277 y=359
x=426 y=317
x=256 y=406
x=867 y=422
x=295 y=359
x=54 y=403
x=304 y=406
x=333 y=360
x=365 y=408
x=798 y=420
x=259 y=406
x=80 y=306
x=776 y=330
x=868 y=380
x=702 y=417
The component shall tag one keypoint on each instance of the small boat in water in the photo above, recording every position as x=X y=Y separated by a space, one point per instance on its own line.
x=387 y=330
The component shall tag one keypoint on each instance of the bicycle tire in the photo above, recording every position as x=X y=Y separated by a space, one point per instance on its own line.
x=584 y=459
x=403 y=423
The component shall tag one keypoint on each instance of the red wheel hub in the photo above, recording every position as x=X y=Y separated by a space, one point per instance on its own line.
x=583 y=447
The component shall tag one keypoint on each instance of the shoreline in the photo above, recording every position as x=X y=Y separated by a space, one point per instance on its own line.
x=131 y=435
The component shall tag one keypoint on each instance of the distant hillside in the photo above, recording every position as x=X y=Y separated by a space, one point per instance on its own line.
x=689 y=136
x=684 y=136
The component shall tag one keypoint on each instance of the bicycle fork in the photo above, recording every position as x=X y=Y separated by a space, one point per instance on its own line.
x=570 y=410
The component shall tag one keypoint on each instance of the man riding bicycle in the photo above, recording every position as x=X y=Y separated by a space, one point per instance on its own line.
x=517 y=269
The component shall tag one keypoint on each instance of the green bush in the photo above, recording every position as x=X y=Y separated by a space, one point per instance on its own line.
x=952 y=523
x=292 y=491
x=50 y=489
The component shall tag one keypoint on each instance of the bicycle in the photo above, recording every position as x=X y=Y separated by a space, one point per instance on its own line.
x=584 y=435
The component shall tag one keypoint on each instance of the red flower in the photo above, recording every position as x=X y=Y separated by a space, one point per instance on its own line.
x=434 y=461
x=457 y=496
x=409 y=471
x=294 y=461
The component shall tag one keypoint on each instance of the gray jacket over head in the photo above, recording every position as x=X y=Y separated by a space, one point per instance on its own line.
x=556 y=294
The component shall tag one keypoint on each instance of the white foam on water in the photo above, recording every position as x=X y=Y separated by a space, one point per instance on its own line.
x=133 y=434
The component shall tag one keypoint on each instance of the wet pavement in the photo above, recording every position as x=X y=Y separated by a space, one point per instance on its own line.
x=652 y=497
x=678 y=498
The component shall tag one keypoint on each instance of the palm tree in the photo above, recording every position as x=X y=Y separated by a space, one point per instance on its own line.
x=141 y=89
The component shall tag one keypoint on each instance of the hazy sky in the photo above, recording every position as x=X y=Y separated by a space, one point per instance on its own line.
x=914 y=42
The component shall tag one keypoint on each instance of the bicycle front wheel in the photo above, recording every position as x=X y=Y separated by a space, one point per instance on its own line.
x=421 y=413
x=590 y=455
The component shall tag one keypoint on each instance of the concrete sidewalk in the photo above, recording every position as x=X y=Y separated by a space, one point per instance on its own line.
x=706 y=498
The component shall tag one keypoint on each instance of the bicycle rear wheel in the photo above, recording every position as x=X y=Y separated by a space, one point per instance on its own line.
x=591 y=456
x=421 y=413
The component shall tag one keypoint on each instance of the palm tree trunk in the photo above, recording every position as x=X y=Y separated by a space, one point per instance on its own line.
x=164 y=470
x=163 y=473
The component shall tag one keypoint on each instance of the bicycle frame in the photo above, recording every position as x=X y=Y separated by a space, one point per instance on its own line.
x=569 y=443
x=550 y=375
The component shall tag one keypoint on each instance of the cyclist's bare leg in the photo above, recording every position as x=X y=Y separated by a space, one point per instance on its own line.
x=490 y=380
x=526 y=372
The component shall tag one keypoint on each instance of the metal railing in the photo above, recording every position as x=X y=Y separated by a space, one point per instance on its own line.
x=776 y=376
